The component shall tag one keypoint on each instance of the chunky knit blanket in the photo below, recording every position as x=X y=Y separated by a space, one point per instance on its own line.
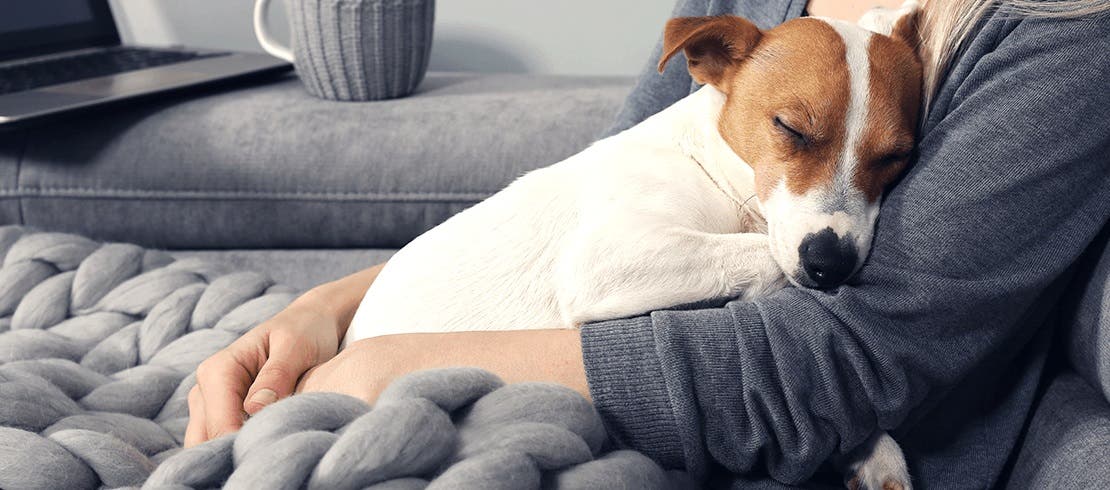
x=98 y=343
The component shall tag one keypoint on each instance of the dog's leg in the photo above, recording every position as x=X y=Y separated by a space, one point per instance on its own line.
x=878 y=465
x=603 y=279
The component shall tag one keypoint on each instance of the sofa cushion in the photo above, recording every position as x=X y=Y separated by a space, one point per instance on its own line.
x=1087 y=316
x=1068 y=439
x=299 y=269
x=271 y=166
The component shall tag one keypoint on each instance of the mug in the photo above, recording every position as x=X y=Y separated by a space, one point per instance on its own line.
x=354 y=50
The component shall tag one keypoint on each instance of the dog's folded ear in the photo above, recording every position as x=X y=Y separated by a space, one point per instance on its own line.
x=711 y=44
x=902 y=24
x=908 y=29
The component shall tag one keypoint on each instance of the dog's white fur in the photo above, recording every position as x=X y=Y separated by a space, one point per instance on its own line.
x=647 y=219
x=657 y=216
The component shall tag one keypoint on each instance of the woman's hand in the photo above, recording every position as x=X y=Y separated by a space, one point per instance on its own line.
x=366 y=367
x=258 y=369
x=263 y=365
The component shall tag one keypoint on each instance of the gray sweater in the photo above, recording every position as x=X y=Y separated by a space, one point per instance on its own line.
x=943 y=335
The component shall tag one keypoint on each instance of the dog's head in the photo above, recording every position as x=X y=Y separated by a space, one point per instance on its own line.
x=824 y=112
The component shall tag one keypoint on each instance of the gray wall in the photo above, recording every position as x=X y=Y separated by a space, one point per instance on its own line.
x=599 y=37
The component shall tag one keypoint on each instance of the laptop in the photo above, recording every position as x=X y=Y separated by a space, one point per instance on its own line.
x=63 y=56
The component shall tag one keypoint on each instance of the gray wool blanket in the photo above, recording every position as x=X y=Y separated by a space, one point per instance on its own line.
x=98 y=343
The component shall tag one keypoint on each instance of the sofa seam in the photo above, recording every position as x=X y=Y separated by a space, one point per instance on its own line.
x=89 y=192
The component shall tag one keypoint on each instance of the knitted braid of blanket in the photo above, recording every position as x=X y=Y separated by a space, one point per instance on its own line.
x=98 y=343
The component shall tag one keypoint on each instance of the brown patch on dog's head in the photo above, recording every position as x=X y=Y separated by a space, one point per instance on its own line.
x=713 y=45
x=893 y=105
x=787 y=116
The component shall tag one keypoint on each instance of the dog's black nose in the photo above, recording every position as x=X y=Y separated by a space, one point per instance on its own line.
x=827 y=258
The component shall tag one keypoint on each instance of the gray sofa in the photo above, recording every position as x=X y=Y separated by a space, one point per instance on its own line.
x=271 y=179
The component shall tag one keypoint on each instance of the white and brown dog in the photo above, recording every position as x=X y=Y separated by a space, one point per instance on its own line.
x=771 y=173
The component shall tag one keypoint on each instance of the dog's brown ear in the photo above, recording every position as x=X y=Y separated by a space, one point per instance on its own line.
x=711 y=44
x=907 y=29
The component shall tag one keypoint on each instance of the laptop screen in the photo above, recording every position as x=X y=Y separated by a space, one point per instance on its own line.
x=29 y=28
x=24 y=16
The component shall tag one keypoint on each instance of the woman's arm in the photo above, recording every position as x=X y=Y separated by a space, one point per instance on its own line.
x=366 y=367
x=301 y=342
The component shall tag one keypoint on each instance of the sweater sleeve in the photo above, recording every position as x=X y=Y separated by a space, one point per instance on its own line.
x=1011 y=183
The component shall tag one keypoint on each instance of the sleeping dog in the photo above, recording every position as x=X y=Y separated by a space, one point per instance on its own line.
x=770 y=174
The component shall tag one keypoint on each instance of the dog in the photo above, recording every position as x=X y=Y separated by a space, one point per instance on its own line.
x=770 y=174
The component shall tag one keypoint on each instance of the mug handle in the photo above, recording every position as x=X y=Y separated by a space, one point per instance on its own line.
x=262 y=32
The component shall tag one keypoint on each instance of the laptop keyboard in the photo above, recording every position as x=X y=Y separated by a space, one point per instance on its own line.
x=54 y=71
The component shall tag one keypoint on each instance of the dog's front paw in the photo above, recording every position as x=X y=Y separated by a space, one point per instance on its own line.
x=883 y=469
x=768 y=279
x=856 y=483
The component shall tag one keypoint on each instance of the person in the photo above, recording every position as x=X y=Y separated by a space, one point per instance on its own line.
x=940 y=339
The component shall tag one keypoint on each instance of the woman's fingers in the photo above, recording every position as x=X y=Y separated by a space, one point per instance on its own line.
x=223 y=381
x=195 y=432
x=286 y=360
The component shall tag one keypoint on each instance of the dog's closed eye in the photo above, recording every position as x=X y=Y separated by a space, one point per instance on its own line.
x=797 y=138
x=892 y=159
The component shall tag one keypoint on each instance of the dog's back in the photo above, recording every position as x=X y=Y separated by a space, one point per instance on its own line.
x=490 y=267
x=562 y=244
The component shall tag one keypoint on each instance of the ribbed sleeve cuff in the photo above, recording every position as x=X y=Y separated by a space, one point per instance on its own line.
x=628 y=388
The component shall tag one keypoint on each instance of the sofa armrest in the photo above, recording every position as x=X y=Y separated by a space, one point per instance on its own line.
x=271 y=167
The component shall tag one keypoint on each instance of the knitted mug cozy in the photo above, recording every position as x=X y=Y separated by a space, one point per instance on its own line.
x=355 y=50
